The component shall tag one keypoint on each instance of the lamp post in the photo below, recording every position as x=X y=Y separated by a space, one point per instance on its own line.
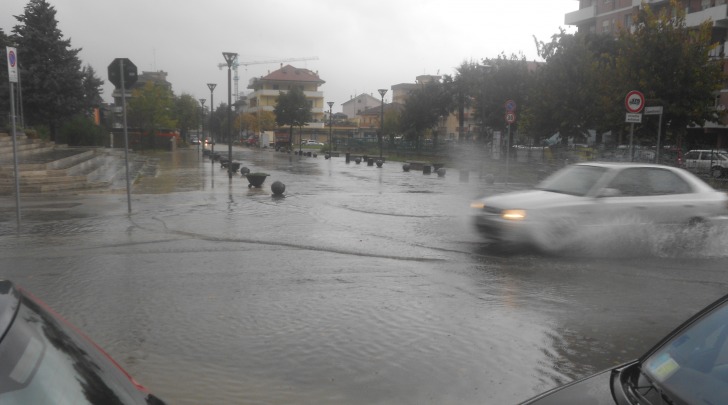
x=381 y=123
x=229 y=59
x=331 y=105
x=212 y=86
x=202 y=125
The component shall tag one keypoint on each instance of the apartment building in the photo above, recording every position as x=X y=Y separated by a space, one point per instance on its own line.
x=360 y=103
x=609 y=16
x=267 y=88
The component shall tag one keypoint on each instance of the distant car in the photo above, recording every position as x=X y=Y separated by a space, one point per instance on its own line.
x=582 y=199
x=46 y=360
x=312 y=142
x=713 y=162
x=689 y=366
x=194 y=140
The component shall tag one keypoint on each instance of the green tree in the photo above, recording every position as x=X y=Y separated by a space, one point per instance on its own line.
x=150 y=109
x=186 y=114
x=463 y=88
x=663 y=52
x=292 y=109
x=571 y=92
x=91 y=90
x=51 y=71
x=423 y=109
x=503 y=78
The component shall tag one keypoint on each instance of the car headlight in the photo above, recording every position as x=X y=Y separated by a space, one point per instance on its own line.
x=477 y=205
x=513 y=215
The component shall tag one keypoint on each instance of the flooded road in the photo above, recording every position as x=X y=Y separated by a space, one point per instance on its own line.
x=361 y=286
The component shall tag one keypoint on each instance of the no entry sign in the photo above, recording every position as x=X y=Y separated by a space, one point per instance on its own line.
x=635 y=101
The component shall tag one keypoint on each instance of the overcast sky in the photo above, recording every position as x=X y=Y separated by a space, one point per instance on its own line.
x=361 y=46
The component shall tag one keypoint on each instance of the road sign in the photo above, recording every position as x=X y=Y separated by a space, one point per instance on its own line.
x=634 y=101
x=635 y=118
x=129 y=70
x=653 y=110
x=12 y=64
x=510 y=117
x=510 y=106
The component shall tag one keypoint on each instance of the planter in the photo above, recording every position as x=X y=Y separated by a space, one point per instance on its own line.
x=256 y=179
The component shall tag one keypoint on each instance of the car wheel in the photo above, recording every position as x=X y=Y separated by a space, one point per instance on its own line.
x=716 y=172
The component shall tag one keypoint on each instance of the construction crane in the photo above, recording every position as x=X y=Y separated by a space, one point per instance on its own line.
x=237 y=63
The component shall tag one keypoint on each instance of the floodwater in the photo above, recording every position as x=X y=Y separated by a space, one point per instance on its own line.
x=363 y=285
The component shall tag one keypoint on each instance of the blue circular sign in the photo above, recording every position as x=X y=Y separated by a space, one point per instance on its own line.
x=11 y=58
x=510 y=106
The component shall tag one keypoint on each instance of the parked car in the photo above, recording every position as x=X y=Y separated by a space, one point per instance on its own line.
x=194 y=140
x=46 y=360
x=713 y=162
x=581 y=199
x=688 y=366
x=312 y=142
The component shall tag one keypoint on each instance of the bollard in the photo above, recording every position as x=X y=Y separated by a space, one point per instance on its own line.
x=406 y=167
x=441 y=172
x=277 y=188
x=370 y=162
x=426 y=169
x=348 y=157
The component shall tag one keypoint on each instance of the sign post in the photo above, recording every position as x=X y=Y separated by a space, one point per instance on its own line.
x=510 y=117
x=12 y=56
x=123 y=72
x=635 y=102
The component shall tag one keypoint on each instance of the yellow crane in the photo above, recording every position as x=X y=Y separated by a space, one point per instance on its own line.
x=237 y=63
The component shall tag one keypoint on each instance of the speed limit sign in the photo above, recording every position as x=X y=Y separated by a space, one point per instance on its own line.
x=510 y=117
x=634 y=101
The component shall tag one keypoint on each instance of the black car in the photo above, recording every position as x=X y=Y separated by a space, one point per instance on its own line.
x=689 y=366
x=46 y=360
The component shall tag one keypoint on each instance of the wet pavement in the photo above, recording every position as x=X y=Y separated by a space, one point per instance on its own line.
x=362 y=285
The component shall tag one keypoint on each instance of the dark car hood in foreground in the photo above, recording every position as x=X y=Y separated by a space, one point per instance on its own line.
x=594 y=390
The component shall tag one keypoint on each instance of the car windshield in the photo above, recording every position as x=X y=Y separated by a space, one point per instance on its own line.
x=693 y=366
x=574 y=180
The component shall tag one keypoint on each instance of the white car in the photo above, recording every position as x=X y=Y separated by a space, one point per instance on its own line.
x=714 y=162
x=585 y=200
x=312 y=142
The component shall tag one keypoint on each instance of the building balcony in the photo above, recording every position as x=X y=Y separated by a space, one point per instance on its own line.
x=718 y=14
x=581 y=16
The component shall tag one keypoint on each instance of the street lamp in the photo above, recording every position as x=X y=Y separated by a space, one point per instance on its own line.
x=229 y=59
x=381 y=123
x=212 y=86
x=202 y=125
x=331 y=105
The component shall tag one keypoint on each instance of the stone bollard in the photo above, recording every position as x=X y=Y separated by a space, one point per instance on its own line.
x=406 y=167
x=441 y=172
x=348 y=157
x=426 y=169
x=370 y=162
x=326 y=156
x=357 y=160
x=244 y=170
x=379 y=162
x=278 y=188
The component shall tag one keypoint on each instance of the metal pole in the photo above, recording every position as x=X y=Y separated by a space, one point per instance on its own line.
x=15 y=158
x=508 y=152
x=331 y=105
x=631 y=142
x=126 y=136
x=659 y=133
x=229 y=130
